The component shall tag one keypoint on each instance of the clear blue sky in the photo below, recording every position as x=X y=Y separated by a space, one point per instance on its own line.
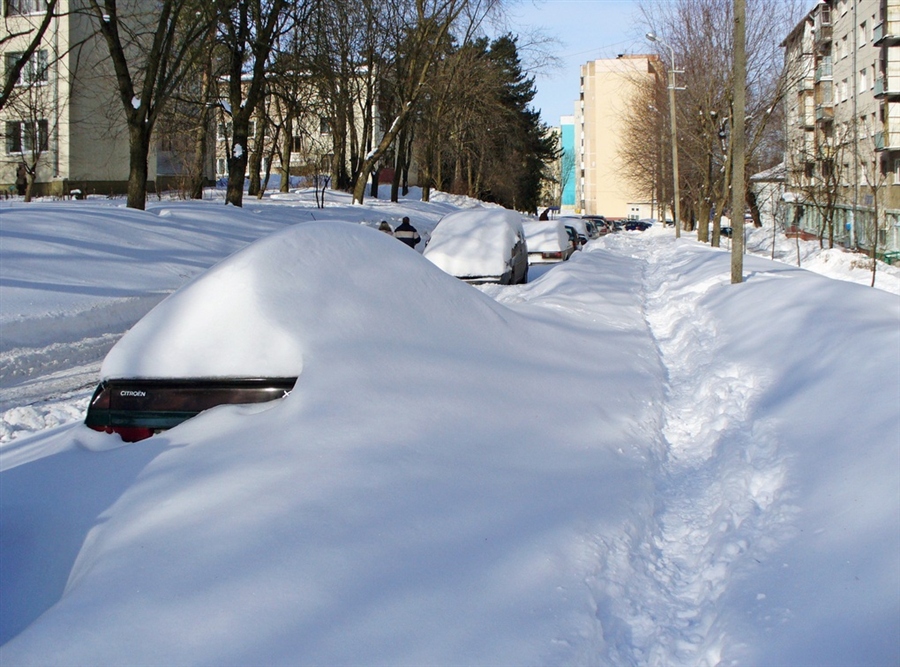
x=587 y=30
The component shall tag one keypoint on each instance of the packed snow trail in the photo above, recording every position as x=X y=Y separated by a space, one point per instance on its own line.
x=657 y=586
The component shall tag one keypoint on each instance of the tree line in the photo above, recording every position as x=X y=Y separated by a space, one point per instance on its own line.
x=410 y=82
x=700 y=35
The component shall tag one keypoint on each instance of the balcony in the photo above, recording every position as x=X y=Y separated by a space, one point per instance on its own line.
x=822 y=25
x=824 y=113
x=887 y=141
x=824 y=70
x=887 y=87
x=886 y=33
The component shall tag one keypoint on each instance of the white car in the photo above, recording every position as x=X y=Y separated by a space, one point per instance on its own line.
x=547 y=241
x=481 y=245
x=580 y=227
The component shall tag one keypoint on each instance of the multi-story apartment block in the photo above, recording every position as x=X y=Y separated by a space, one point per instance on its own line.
x=567 y=169
x=608 y=88
x=842 y=63
x=64 y=119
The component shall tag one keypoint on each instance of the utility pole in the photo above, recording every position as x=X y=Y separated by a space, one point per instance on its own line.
x=738 y=194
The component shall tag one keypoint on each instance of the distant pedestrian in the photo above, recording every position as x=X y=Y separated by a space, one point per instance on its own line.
x=385 y=227
x=407 y=233
x=22 y=179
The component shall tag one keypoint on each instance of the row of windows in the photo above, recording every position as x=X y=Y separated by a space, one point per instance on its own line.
x=35 y=70
x=20 y=7
x=224 y=131
x=26 y=137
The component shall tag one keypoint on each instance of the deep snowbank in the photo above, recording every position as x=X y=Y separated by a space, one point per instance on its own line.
x=626 y=461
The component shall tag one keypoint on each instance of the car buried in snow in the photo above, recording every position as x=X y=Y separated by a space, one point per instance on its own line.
x=548 y=241
x=481 y=245
x=137 y=408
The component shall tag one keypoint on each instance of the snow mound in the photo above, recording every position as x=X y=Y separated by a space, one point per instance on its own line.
x=260 y=311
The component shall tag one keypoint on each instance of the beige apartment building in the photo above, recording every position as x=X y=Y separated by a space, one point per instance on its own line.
x=842 y=63
x=64 y=118
x=608 y=88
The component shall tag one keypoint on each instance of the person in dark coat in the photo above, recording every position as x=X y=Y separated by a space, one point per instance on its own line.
x=407 y=233
x=22 y=179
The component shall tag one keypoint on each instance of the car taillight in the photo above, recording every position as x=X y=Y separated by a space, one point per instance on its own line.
x=127 y=433
x=551 y=255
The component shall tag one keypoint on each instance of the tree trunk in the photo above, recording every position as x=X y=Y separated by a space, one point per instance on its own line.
x=29 y=187
x=254 y=161
x=199 y=161
x=139 y=147
x=237 y=165
x=286 y=154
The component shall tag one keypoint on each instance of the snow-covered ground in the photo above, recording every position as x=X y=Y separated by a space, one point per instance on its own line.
x=627 y=461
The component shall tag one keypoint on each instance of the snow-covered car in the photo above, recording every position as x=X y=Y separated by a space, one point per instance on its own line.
x=227 y=337
x=578 y=224
x=481 y=245
x=548 y=241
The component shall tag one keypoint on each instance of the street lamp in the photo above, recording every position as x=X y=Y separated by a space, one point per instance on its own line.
x=672 y=72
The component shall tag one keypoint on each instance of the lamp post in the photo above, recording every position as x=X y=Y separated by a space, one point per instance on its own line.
x=672 y=72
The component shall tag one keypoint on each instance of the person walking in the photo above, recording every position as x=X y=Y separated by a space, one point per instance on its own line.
x=407 y=233
x=386 y=228
x=22 y=179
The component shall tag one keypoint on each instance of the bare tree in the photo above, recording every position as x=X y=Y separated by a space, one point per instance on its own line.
x=420 y=31
x=19 y=26
x=249 y=31
x=151 y=53
x=703 y=48
x=818 y=163
x=27 y=137
x=876 y=178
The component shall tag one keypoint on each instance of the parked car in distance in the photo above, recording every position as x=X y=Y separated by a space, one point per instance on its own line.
x=574 y=240
x=592 y=231
x=638 y=225
x=548 y=241
x=580 y=227
x=600 y=224
x=481 y=245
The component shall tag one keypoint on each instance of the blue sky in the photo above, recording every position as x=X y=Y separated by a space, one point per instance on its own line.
x=587 y=30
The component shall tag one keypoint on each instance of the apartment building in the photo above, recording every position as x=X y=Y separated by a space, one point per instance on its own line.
x=842 y=63
x=567 y=164
x=608 y=88
x=64 y=119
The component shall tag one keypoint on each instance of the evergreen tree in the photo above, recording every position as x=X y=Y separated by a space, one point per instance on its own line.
x=522 y=147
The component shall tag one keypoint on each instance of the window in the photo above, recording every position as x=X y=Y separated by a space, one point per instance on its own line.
x=35 y=70
x=861 y=37
x=844 y=48
x=17 y=7
x=296 y=144
x=324 y=125
x=863 y=80
x=24 y=137
x=221 y=166
x=223 y=131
